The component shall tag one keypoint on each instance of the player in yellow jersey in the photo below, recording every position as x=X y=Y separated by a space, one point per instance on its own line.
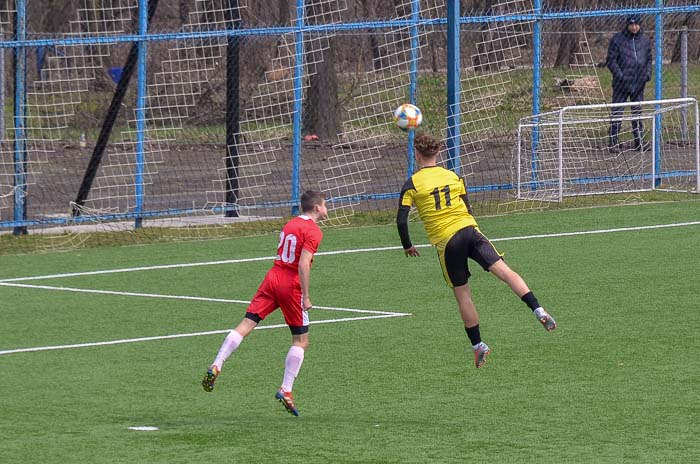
x=440 y=196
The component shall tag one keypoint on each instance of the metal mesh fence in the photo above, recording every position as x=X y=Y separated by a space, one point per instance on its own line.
x=192 y=147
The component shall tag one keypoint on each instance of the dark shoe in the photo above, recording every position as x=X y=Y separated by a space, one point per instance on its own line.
x=287 y=401
x=210 y=378
x=615 y=148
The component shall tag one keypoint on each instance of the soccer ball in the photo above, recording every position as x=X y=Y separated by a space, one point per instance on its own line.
x=408 y=116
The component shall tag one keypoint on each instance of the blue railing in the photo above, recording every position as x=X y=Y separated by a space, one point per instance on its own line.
x=21 y=44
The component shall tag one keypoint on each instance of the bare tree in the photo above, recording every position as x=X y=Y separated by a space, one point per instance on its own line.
x=568 y=42
x=183 y=11
x=320 y=115
x=487 y=58
x=52 y=15
x=370 y=9
x=692 y=22
x=570 y=34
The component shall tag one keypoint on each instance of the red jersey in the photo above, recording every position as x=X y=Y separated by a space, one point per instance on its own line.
x=298 y=234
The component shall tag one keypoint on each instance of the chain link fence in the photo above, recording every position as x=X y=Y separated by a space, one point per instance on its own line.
x=195 y=148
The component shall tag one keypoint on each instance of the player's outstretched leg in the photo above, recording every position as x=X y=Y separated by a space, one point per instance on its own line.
x=545 y=319
x=287 y=401
x=210 y=378
x=481 y=350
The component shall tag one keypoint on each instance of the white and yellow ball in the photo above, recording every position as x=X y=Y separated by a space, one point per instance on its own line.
x=408 y=117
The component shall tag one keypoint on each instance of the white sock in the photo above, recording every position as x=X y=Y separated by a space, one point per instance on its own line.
x=230 y=344
x=480 y=345
x=292 y=365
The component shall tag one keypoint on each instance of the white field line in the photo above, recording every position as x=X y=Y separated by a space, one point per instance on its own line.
x=339 y=252
x=194 y=334
x=181 y=297
x=377 y=314
x=374 y=315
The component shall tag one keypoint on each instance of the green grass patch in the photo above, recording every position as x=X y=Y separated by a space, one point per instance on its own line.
x=615 y=383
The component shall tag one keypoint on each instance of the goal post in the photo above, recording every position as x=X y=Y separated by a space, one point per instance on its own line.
x=608 y=149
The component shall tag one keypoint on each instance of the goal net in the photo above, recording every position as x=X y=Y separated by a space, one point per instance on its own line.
x=608 y=149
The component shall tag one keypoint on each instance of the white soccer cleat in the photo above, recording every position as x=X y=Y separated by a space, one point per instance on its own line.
x=545 y=319
x=480 y=352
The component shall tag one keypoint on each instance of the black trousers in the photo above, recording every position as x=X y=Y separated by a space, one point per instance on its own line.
x=621 y=95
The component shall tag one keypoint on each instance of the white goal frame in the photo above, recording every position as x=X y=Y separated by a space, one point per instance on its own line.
x=561 y=119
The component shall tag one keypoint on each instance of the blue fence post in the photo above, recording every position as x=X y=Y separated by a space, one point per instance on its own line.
x=141 y=112
x=536 y=84
x=296 y=123
x=453 y=86
x=415 y=44
x=658 y=86
x=20 y=110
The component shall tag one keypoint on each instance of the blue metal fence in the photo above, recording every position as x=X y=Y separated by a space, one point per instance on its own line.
x=451 y=22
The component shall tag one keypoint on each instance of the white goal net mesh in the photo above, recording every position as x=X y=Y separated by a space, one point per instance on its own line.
x=606 y=149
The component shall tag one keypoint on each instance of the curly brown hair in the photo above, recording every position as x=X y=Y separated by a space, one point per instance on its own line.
x=427 y=145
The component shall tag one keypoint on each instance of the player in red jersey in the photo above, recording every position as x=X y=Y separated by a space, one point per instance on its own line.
x=286 y=286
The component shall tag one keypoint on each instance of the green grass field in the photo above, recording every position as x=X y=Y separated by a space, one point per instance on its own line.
x=617 y=382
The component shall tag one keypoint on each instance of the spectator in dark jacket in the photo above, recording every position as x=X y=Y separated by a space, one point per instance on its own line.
x=629 y=61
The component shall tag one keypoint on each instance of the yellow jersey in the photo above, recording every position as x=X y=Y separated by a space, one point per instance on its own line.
x=439 y=195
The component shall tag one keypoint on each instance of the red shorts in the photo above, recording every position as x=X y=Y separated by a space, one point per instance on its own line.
x=280 y=289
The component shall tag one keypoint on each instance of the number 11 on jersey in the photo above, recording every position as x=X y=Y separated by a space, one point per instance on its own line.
x=436 y=194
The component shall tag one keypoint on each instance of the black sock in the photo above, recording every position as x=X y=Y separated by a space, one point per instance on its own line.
x=530 y=300
x=473 y=334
